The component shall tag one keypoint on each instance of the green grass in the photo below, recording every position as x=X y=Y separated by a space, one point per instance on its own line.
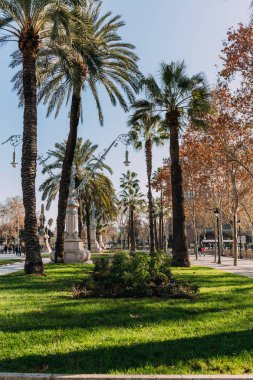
x=9 y=261
x=43 y=328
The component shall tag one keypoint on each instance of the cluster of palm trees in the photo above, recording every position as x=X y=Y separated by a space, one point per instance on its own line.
x=66 y=47
x=132 y=199
x=167 y=106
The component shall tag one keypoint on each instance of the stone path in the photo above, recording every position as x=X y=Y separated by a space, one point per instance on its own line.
x=244 y=267
x=15 y=267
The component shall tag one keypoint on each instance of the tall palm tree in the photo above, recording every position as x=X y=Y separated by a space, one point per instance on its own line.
x=147 y=130
x=132 y=199
x=181 y=98
x=31 y=23
x=99 y=58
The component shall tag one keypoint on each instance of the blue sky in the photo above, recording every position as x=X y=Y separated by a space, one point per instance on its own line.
x=161 y=30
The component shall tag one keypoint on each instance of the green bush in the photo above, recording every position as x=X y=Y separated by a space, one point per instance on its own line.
x=133 y=276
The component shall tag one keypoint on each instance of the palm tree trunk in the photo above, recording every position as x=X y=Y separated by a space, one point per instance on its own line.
x=66 y=174
x=33 y=262
x=180 y=251
x=160 y=234
x=80 y=210
x=155 y=233
x=132 y=231
x=148 y=153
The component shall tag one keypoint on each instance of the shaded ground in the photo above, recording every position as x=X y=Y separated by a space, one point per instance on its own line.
x=43 y=329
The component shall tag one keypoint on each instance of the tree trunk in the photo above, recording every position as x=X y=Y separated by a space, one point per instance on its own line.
x=132 y=231
x=80 y=210
x=195 y=242
x=33 y=262
x=180 y=251
x=215 y=241
x=66 y=174
x=148 y=153
x=155 y=233
x=235 y=238
x=235 y=208
x=160 y=226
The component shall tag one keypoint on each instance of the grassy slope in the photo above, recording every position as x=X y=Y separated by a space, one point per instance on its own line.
x=42 y=328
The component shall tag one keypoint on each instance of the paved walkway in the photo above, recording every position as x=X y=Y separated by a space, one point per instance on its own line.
x=11 y=268
x=244 y=267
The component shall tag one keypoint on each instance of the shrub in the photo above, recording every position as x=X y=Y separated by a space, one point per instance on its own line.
x=133 y=276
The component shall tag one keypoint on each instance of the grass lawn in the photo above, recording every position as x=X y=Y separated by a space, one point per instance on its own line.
x=43 y=329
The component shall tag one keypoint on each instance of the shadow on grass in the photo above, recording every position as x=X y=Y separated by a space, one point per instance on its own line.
x=154 y=355
x=64 y=312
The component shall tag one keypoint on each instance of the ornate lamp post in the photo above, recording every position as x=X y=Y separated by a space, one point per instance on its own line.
x=74 y=192
x=75 y=248
x=14 y=140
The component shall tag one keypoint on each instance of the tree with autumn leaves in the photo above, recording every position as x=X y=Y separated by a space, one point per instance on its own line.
x=217 y=160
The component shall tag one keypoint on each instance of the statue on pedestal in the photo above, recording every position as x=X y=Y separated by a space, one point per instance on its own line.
x=43 y=235
x=95 y=247
x=74 y=251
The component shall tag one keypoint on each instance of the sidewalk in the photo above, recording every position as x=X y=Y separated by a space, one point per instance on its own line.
x=244 y=267
x=12 y=268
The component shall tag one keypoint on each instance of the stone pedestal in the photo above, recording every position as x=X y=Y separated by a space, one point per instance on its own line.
x=74 y=251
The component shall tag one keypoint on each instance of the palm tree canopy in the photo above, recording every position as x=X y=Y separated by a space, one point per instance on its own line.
x=146 y=126
x=31 y=22
x=84 y=162
x=95 y=56
x=188 y=97
x=131 y=195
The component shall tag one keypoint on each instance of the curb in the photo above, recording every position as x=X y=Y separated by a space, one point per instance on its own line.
x=40 y=376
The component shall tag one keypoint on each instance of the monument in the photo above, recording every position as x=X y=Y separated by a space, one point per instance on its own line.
x=43 y=235
x=94 y=245
x=74 y=251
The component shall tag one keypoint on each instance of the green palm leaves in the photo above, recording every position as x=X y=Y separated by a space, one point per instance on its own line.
x=95 y=56
x=83 y=164
x=179 y=98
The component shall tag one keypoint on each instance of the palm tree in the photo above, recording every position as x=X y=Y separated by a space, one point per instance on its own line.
x=132 y=199
x=82 y=163
x=99 y=193
x=31 y=23
x=99 y=58
x=147 y=130
x=180 y=98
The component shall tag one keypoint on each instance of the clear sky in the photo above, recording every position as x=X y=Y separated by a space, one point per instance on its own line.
x=161 y=30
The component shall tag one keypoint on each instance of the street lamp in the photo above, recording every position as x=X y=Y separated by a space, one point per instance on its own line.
x=239 y=225
x=14 y=163
x=14 y=140
x=217 y=215
x=127 y=162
